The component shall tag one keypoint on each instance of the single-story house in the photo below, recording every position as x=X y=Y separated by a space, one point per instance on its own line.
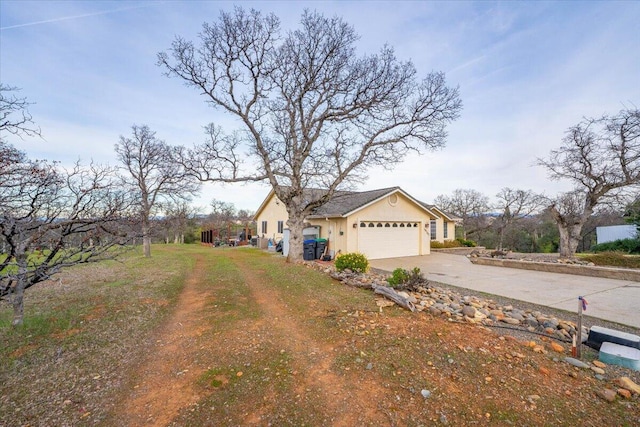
x=382 y=223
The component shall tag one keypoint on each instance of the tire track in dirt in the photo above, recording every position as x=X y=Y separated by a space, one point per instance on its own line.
x=346 y=404
x=168 y=374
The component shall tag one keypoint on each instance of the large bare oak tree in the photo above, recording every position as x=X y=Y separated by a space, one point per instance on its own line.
x=313 y=113
x=153 y=175
x=601 y=156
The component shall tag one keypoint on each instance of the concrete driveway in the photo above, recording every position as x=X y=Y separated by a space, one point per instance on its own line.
x=609 y=299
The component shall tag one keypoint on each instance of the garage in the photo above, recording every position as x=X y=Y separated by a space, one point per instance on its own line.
x=383 y=223
x=389 y=239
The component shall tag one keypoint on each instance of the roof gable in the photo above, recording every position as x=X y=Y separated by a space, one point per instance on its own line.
x=440 y=212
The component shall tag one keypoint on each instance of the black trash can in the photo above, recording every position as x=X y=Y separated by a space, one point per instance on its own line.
x=321 y=244
x=309 y=250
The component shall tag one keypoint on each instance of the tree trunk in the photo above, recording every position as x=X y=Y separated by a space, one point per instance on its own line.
x=296 y=247
x=570 y=227
x=564 y=249
x=569 y=239
x=18 y=305
x=146 y=239
x=18 y=292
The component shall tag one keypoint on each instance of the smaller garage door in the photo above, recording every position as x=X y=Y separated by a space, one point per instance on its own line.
x=388 y=239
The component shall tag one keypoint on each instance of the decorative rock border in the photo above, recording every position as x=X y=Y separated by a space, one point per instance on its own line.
x=471 y=309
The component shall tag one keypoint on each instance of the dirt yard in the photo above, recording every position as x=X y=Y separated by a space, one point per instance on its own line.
x=241 y=338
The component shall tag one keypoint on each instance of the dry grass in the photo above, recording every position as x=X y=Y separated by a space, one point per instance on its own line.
x=81 y=332
x=613 y=259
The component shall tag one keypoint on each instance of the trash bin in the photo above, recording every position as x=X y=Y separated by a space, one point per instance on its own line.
x=309 y=250
x=321 y=244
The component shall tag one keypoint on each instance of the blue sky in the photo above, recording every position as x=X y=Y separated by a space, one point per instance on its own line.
x=527 y=71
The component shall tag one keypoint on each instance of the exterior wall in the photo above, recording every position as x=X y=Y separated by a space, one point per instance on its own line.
x=273 y=212
x=612 y=233
x=403 y=210
x=451 y=229
x=334 y=230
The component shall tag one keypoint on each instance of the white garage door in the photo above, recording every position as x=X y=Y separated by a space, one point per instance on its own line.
x=388 y=239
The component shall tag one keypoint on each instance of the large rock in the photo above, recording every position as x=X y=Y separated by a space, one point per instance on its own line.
x=469 y=311
x=556 y=347
x=516 y=315
x=624 y=393
x=575 y=362
x=627 y=383
x=607 y=394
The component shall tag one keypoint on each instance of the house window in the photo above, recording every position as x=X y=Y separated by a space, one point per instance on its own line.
x=445 y=231
x=264 y=227
x=433 y=229
x=280 y=226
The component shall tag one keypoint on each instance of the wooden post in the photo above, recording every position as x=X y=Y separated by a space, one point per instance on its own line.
x=582 y=305
x=579 y=329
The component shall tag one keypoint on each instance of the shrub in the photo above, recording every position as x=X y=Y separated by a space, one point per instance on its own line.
x=447 y=244
x=630 y=246
x=453 y=244
x=467 y=243
x=355 y=262
x=404 y=279
x=398 y=277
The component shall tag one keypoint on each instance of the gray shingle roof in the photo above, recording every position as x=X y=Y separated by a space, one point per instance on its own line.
x=344 y=202
x=447 y=214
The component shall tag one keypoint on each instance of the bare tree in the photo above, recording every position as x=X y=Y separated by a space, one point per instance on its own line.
x=470 y=205
x=222 y=211
x=153 y=174
x=602 y=158
x=51 y=219
x=514 y=206
x=176 y=220
x=14 y=114
x=314 y=114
